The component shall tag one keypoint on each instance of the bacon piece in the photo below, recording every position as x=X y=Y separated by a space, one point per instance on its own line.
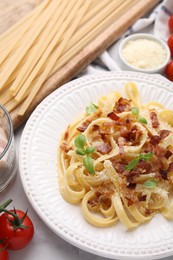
x=93 y=202
x=103 y=148
x=128 y=121
x=95 y=127
x=65 y=147
x=102 y=195
x=121 y=143
x=141 y=168
x=164 y=174
x=159 y=151
x=83 y=127
x=119 y=167
x=131 y=186
x=104 y=199
x=164 y=134
x=124 y=131
x=154 y=119
x=145 y=167
x=131 y=135
x=170 y=168
x=168 y=154
x=147 y=147
x=66 y=135
x=113 y=116
x=142 y=198
x=122 y=105
x=155 y=139
x=108 y=124
x=131 y=197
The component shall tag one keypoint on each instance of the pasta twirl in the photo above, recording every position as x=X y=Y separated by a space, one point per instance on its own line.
x=116 y=160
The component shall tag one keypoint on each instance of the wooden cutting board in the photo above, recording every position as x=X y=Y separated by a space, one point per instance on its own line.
x=11 y=11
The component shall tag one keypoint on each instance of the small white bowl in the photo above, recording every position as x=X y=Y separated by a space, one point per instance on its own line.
x=126 y=66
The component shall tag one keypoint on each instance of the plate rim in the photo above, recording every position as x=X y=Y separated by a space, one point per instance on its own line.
x=64 y=90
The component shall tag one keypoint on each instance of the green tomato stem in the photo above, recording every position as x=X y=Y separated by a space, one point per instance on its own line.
x=4 y=205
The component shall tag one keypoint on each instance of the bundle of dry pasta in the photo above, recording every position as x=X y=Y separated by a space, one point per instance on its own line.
x=45 y=40
x=117 y=161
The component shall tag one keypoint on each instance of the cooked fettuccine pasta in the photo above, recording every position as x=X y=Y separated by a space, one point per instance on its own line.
x=116 y=160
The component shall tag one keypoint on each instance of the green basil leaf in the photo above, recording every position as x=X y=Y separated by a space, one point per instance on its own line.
x=132 y=164
x=80 y=141
x=80 y=151
x=88 y=163
x=90 y=150
x=147 y=156
x=150 y=184
x=135 y=111
x=142 y=120
x=91 y=109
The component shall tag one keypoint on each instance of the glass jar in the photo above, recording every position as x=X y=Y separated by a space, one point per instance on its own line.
x=8 y=164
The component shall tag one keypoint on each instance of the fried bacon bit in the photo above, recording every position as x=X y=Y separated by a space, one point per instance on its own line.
x=159 y=151
x=134 y=134
x=155 y=139
x=141 y=168
x=102 y=195
x=103 y=148
x=131 y=197
x=131 y=186
x=170 y=168
x=164 y=134
x=93 y=202
x=95 y=127
x=122 y=105
x=113 y=116
x=147 y=147
x=154 y=119
x=142 y=198
x=121 y=143
x=145 y=167
x=164 y=174
x=124 y=131
x=168 y=154
x=128 y=121
x=65 y=147
x=66 y=135
x=119 y=166
x=83 y=127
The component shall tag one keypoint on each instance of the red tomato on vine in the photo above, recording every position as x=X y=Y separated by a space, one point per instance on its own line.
x=169 y=71
x=16 y=229
x=170 y=24
x=3 y=253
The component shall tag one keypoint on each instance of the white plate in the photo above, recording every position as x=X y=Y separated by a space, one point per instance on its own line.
x=38 y=169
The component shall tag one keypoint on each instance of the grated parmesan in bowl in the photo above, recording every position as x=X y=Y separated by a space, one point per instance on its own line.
x=144 y=53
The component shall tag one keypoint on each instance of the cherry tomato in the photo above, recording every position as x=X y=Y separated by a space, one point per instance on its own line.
x=17 y=233
x=169 y=71
x=170 y=23
x=170 y=44
x=3 y=253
